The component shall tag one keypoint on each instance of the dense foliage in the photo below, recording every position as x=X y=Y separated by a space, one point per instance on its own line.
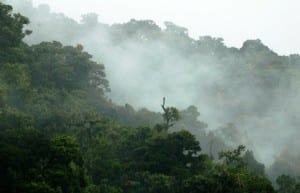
x=58 y=133
x=249 y=92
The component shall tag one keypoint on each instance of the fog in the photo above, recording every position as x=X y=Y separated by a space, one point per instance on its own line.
x=272 y=21
x=258 y=92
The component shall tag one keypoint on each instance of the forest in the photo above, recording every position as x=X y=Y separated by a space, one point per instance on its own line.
x=64 y=129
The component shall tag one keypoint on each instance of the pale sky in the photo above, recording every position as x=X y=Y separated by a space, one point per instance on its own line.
x=275 y=22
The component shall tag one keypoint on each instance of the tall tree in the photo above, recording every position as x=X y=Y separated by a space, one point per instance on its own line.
x=11 y=32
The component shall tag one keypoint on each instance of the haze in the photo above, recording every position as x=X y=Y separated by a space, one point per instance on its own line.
x=249 y=90
x=272 y=21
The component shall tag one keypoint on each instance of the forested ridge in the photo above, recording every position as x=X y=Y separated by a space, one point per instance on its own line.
x=60 y=132
x=246 y=95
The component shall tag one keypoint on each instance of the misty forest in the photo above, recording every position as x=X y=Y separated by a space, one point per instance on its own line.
x=87 y=107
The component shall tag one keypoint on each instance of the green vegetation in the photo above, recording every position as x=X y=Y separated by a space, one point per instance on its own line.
x=60 y=134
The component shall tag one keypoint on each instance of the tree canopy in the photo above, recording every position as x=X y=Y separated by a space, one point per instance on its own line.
x=59 y=133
